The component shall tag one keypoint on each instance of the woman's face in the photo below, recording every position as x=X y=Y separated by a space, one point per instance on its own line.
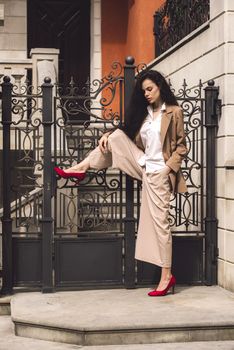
x=151 y=91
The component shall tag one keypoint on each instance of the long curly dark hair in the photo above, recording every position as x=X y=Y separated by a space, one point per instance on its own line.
x=137 y=109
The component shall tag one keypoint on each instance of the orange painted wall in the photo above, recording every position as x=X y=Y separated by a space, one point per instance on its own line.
x=127 y=29
x=114 y=27
x=140 y=40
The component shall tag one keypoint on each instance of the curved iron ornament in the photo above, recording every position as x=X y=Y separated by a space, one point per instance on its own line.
x=141 y=67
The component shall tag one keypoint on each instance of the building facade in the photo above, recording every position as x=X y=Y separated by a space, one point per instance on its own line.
x=83 y=39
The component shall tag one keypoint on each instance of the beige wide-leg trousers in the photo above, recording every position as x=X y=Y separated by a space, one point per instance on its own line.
x=154 y=240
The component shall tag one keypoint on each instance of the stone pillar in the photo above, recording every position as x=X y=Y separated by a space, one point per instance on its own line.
x=95 y=47
x=45 y=64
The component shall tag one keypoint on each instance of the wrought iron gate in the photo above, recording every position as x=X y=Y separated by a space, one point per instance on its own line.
x=60 y=235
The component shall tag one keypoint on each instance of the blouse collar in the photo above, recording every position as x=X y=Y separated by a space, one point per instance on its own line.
x=150 y=109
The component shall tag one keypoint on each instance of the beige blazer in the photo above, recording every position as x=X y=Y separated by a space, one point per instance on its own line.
x=173 y=145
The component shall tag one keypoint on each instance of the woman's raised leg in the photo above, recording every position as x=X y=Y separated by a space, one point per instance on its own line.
x=125 y=154
x=121 y=153
x=83 y=166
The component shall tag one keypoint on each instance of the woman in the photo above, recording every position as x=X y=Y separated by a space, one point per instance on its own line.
x=154 y=122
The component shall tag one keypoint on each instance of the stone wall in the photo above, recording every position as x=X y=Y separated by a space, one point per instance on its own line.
x=13 y=30
x=210 y=55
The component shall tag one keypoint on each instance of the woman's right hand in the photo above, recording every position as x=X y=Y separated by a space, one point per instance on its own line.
x=103 y=142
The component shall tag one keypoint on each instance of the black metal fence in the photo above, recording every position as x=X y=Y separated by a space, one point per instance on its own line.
x=60 y=235
x=176 y=19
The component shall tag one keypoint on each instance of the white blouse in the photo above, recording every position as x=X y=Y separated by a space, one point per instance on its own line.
x=150 y=134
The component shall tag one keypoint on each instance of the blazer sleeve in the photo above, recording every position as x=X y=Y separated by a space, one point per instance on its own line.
x=175 y=160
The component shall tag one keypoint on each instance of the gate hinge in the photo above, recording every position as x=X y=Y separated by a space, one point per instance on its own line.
x=215 y=253
x=218 y=108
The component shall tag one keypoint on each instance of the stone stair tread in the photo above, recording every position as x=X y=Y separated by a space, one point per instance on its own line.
x=121 y=309
x=123 y=317
x=11 y=342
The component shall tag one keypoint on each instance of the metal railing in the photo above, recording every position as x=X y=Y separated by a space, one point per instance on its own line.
x=106 y=204
x=176 y=19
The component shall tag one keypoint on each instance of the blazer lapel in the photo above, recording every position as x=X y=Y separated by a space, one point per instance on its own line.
x=166 y=119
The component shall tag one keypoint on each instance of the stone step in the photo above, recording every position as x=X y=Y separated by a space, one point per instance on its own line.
x=5 y=308
x=11 y=342
x=124 y=317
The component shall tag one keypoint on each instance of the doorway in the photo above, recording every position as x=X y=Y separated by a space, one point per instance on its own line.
x=64 y=25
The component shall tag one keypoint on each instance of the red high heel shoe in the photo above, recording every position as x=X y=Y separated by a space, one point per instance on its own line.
x=160 y=293
x=62 y=173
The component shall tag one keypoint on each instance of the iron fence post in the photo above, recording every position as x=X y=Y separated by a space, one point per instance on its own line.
x=7 y=280
x=129 y=220
x=211 y=223
x=47 y=220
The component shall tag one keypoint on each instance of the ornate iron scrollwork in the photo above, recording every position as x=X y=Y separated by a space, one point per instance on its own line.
x=97 y=204
x=186 y=213
x=82 y=116
x=27 y=163
x=187 y=210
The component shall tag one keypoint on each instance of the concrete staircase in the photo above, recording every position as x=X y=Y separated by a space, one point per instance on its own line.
x=195 y=317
